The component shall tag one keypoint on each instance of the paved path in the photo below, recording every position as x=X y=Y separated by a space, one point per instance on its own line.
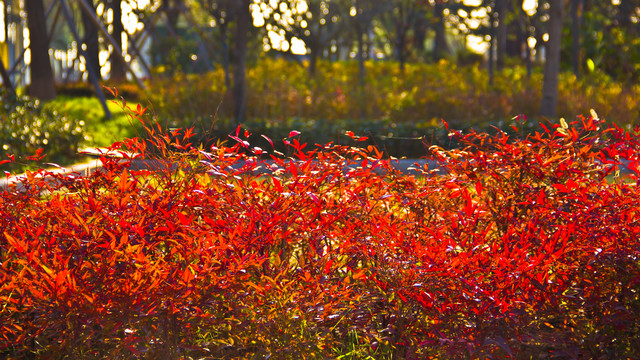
x=407 y=166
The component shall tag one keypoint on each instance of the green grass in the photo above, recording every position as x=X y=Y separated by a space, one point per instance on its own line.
x=101 y=131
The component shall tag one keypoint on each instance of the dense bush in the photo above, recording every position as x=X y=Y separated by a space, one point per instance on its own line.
x=130 y=91
x=420 y=96
x=523 y=247
x=398 y=111
x=100 y=131
x=28 y=128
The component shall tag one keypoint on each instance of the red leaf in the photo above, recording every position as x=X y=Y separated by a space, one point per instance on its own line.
x=37 y=156
x=113 y=91
x=141 y=110
x=242 y=142
x=277 y=185
x=327 y=266
x=269 y=140
x=541 y=197
x=560 y=187
x=294 y=133
x=479 y=187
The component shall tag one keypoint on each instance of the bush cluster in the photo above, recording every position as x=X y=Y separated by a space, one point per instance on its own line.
x=130 y=91
x=520 y=247
x=28 y=128
x=420 y=96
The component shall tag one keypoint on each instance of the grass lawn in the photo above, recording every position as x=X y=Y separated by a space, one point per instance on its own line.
x=102 y=132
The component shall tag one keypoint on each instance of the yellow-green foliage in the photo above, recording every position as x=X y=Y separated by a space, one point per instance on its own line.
x=100 y=131
x=425 y=93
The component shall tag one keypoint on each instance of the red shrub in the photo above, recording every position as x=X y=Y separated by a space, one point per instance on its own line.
x=515 y=248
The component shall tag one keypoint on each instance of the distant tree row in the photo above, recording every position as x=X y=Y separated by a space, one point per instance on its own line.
x=198 y=35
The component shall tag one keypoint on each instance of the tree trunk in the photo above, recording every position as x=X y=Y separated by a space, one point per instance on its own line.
x=90 y=39
x=6 y=79
x=118 y=68
x=420 y=33
x=526 y=32
x=361 y=71
x=400 y=49
x=313 y=62
x=226 y=56
x=401 y=28
x=576 y=24
x=172 y=12
x=549 y=104
x=243 y=23
x=492 y=46
x=440 y=46
x=626 y=12
x=42 y=82
x=501 y=33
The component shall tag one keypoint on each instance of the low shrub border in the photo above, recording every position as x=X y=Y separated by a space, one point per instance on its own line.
x=28 y=128
x=523 y=247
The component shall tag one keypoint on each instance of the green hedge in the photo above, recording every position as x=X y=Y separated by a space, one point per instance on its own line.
x=398 y=139
x=27 y=127
x=424 y=93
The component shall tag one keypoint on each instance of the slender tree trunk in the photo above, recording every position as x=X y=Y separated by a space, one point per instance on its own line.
x=172 y=12
x=549 y=104
x=501 y=33
x=6 y=79
x=243 y=23
x=401 y=41
x=524 y=28
x=361 y=72
x=226 y=57
x=118 y=68
x=420 y=33
x=42 y=82
x=440 y=46
x=492 y=46
x=90 y=39
x=576 y=24
x=626 y=12
x=402 y=56
x=313 y=62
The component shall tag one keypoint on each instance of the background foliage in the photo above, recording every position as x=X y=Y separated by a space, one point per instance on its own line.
x=421 y=94
x=28 y=127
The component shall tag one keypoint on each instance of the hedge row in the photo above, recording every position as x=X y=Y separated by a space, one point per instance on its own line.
x=523 y=247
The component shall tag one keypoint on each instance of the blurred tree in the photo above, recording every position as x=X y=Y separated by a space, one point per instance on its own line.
x=420 y=27
x=610 y=41
x=576 y=24
x=90 y=39
x=242 y=10
x=42 y=81
x=400 y=19
x=6 y=80
x=171 y=9
x=440 y=45
x=118 y=71
x=361 y=15
x=317 y=23
x=501 y=32
x=552 y=63
x=222 y=13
